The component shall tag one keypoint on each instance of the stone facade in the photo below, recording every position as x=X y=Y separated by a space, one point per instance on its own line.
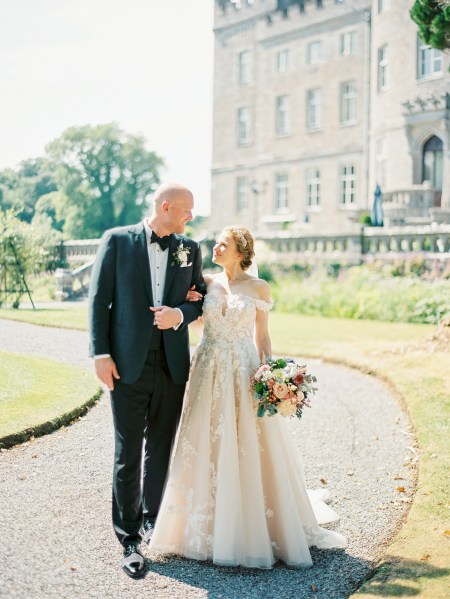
x=315 y=106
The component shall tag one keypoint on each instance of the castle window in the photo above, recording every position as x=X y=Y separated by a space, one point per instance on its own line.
x=348 y=43
x=381 y=162
x=432 y=162
x=244 y=67
x=282 y=61
x=429 y=61
x=348 y=102
x=313 y=187
x=383 y=62
x=242 y=203
x=314 y=108
x=348 y=185
x=243 y=125
x=281 y=192
x=282 y=115
x=314 y=52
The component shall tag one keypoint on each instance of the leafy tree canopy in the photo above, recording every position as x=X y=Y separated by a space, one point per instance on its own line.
x=91 y=179
x=104 y=178
x=433 y=19
x=20 y=189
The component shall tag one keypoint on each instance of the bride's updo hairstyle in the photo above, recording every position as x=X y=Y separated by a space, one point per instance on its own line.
x=244 y=243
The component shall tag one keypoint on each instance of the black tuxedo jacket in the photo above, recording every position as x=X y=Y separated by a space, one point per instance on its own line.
x=120 y=295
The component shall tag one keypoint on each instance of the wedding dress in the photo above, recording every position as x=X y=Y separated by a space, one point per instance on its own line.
x=236 y=492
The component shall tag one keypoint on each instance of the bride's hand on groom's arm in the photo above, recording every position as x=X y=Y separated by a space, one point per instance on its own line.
x=193 y=296
x=106 y=370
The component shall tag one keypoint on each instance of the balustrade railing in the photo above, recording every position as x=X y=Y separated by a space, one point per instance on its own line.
x=432 y=241
x=410 y=205
x=385 y=243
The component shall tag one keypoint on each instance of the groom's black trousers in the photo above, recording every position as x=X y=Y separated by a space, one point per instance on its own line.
x=147 y=410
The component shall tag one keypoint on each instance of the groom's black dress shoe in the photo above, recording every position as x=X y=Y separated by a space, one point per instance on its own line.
x=148 y=531
x=133 y=562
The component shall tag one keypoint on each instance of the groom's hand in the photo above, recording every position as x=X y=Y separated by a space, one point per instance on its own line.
x=106 y=370
x=165 y=317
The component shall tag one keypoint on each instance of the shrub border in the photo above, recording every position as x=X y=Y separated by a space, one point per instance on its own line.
x=50 y=426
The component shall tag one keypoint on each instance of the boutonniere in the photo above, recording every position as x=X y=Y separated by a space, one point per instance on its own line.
x=180 y=256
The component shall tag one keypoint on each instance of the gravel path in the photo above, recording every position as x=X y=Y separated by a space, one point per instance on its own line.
x=55 y=496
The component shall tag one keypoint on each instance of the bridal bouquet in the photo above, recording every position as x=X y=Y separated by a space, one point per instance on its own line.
x=282 y=387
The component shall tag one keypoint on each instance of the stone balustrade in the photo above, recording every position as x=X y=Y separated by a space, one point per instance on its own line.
x=410 y=206
x=73 y=283
x=78 y=251
x=432 y=241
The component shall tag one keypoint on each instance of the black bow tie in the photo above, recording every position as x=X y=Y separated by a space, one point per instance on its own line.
x=162 y=241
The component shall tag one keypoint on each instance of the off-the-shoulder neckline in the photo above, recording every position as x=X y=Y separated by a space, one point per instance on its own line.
x=256 y=299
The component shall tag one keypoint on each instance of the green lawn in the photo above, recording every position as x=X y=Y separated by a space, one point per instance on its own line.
x=35 y=391
x=66 y=318
x=416 y=561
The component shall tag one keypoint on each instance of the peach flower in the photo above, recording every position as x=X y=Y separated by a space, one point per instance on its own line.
x=286 y=408
x=280 y=390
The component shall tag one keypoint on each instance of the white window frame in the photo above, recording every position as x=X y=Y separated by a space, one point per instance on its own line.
x=314 y=52
x=382 y=68
x=314 y=109
x=244 y=63
x=380 y=161
x=281 y=192
x=347 y=102
x=426 y=55
x=347 y=44
x=283 y=60
x=313 y=189
x=243 y=125
x=347 y=185
x=282 y=115
x=242 y=194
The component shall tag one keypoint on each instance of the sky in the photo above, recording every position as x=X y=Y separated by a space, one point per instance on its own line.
x=145 y=64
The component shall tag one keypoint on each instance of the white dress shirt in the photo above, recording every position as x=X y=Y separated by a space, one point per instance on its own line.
x=158 y=266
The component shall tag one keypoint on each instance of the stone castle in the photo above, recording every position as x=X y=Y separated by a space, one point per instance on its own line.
x=317 y=104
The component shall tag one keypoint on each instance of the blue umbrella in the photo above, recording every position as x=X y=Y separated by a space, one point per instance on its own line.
x=377 y=216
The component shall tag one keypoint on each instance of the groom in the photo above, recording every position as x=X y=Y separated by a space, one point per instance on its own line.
x=139 y=321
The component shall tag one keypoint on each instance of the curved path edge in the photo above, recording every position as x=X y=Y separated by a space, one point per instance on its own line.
x=50 y=426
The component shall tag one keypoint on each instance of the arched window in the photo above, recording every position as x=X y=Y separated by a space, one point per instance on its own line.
x=432 y=162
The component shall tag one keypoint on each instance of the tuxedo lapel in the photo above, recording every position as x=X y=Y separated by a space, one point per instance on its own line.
x=172 y=266
x=139 y=241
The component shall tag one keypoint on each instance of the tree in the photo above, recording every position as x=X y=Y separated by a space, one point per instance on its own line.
x=433 y=19
x=104 y=176
x=21 y=189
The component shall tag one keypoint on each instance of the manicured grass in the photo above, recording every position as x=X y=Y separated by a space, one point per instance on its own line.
x=34 y=391
x=66 y=318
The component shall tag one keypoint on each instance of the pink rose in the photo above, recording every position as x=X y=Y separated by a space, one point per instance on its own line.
x=280 y=390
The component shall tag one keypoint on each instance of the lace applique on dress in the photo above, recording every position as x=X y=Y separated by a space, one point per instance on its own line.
x=262 y=305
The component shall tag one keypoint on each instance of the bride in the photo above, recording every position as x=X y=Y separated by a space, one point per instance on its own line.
x=235 y=492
